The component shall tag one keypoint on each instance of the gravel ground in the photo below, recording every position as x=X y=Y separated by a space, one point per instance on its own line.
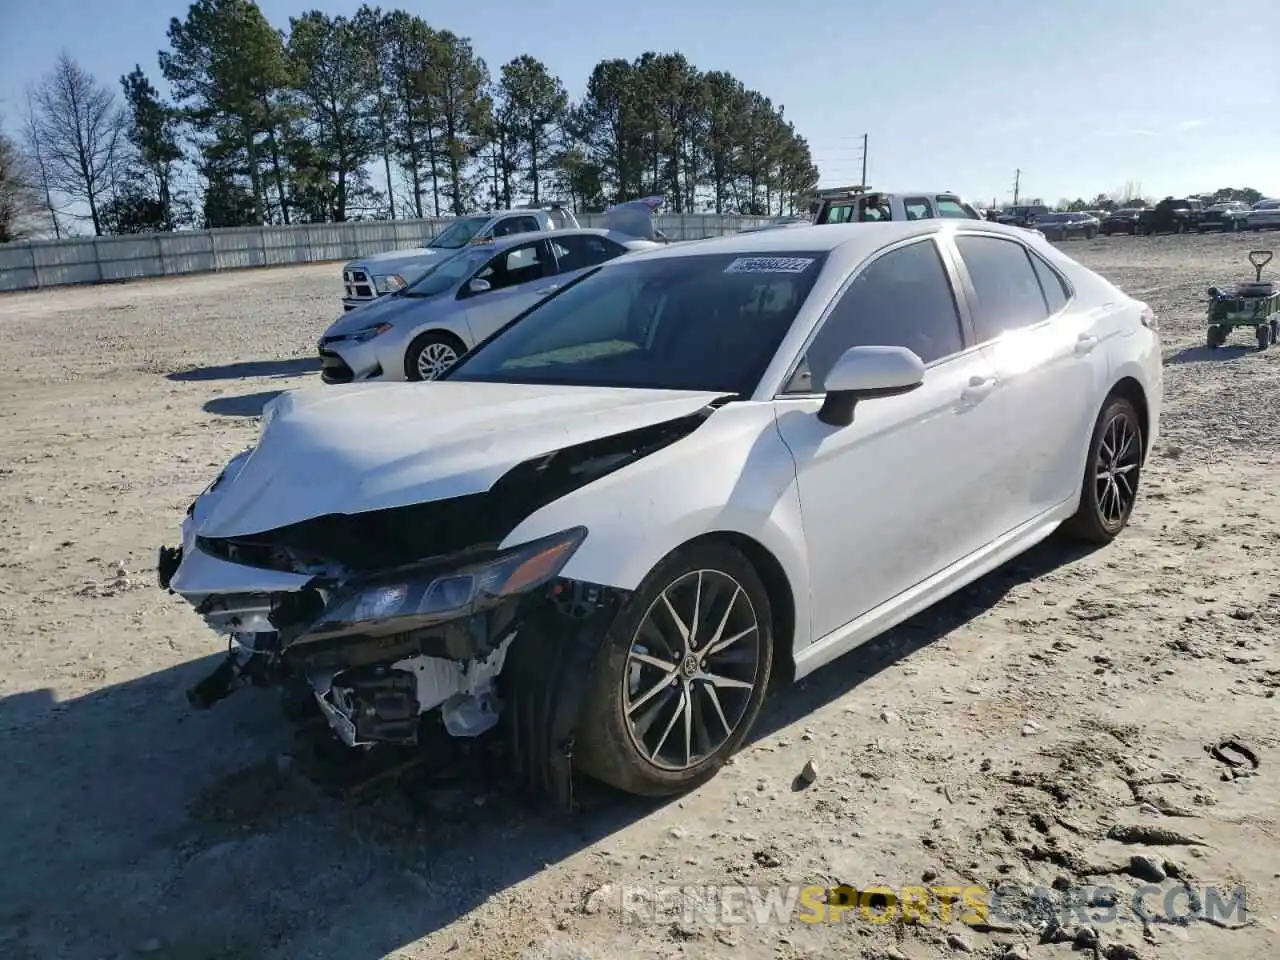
x=1047 y=728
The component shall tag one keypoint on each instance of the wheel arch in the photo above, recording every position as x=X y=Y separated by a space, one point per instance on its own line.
x=778 y=587
x=1132 y=390
x=429 y=329
x=438 y=328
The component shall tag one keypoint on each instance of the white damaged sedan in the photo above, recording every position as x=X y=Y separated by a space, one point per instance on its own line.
x=601 y=533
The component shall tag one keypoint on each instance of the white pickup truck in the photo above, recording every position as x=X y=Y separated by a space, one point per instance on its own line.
x=365 y=279
x=859 y=204
x=862 y=204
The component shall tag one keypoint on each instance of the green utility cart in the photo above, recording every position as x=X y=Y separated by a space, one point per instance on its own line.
x=1254 y=303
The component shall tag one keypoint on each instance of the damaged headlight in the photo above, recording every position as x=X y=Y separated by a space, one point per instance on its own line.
x=405 y=601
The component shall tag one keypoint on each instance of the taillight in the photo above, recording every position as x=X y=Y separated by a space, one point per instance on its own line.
x=1150 y=320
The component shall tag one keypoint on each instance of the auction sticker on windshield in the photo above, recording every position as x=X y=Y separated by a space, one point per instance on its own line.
x=769 y=265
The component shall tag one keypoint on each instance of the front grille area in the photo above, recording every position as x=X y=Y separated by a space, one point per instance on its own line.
x=333 y=369
x=358 y=285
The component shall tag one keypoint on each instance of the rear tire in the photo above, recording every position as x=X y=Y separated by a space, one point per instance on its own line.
x=431 y=354
x=1109 y=487
x=632 y=733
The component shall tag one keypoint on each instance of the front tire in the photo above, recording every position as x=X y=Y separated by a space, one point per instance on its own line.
x=431 y=354
x=682 y=676
x=1113 y=467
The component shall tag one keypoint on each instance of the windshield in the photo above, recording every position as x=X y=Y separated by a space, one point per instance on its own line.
x=695 y=322
x=447 y=274
x=459 y=233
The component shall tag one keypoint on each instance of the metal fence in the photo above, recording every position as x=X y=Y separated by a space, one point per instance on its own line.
x=54 y=263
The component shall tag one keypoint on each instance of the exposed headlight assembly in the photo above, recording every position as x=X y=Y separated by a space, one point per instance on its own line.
x=405 y=601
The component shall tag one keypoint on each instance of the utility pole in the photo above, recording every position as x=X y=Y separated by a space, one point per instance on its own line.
x=864 y=160
x=1017 y=179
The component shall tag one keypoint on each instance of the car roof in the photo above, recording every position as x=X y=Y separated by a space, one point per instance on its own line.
x=842 y=198
x=511 y=240
x=853 y=239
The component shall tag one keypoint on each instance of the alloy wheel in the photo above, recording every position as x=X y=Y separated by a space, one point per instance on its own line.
x=1116 y=473
x=435 y=359
x=691 y=669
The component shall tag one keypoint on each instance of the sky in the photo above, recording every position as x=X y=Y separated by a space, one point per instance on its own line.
x=1081 y=96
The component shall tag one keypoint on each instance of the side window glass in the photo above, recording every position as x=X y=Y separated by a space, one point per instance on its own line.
x=875 y=212
x=918 y=208
x=511 y=267
x=510 y=226
x=1008 y=292
x=950 y=209
x=1055 y=289
x=575 y=253
x=901 y=299
x=840 y=214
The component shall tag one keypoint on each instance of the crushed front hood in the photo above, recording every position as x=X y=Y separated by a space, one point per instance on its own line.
x=373 y=446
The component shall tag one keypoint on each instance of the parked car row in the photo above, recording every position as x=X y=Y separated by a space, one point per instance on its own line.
x=1170 y=215
x=1193 y=215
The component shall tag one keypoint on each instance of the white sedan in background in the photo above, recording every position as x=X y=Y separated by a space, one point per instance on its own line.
x=606 y=528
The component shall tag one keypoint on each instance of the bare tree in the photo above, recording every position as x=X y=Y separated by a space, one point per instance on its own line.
x=40 y=168
x=80 y=126
x=19 y=202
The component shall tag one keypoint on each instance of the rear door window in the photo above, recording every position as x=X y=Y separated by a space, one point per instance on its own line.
x=1007 y=288
x=1056 y=291
x=574 y=253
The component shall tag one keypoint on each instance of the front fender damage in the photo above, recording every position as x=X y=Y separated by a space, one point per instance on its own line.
x=512 y=668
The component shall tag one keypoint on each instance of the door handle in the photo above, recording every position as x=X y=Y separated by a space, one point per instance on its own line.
x=978 y=388
x=545 y=290
x=1085 y=342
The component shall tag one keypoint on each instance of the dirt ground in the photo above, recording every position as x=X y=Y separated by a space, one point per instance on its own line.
x=1030 y=732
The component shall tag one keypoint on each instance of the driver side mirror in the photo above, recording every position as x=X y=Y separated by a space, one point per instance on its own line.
x=868 y=373
x=479 y=286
